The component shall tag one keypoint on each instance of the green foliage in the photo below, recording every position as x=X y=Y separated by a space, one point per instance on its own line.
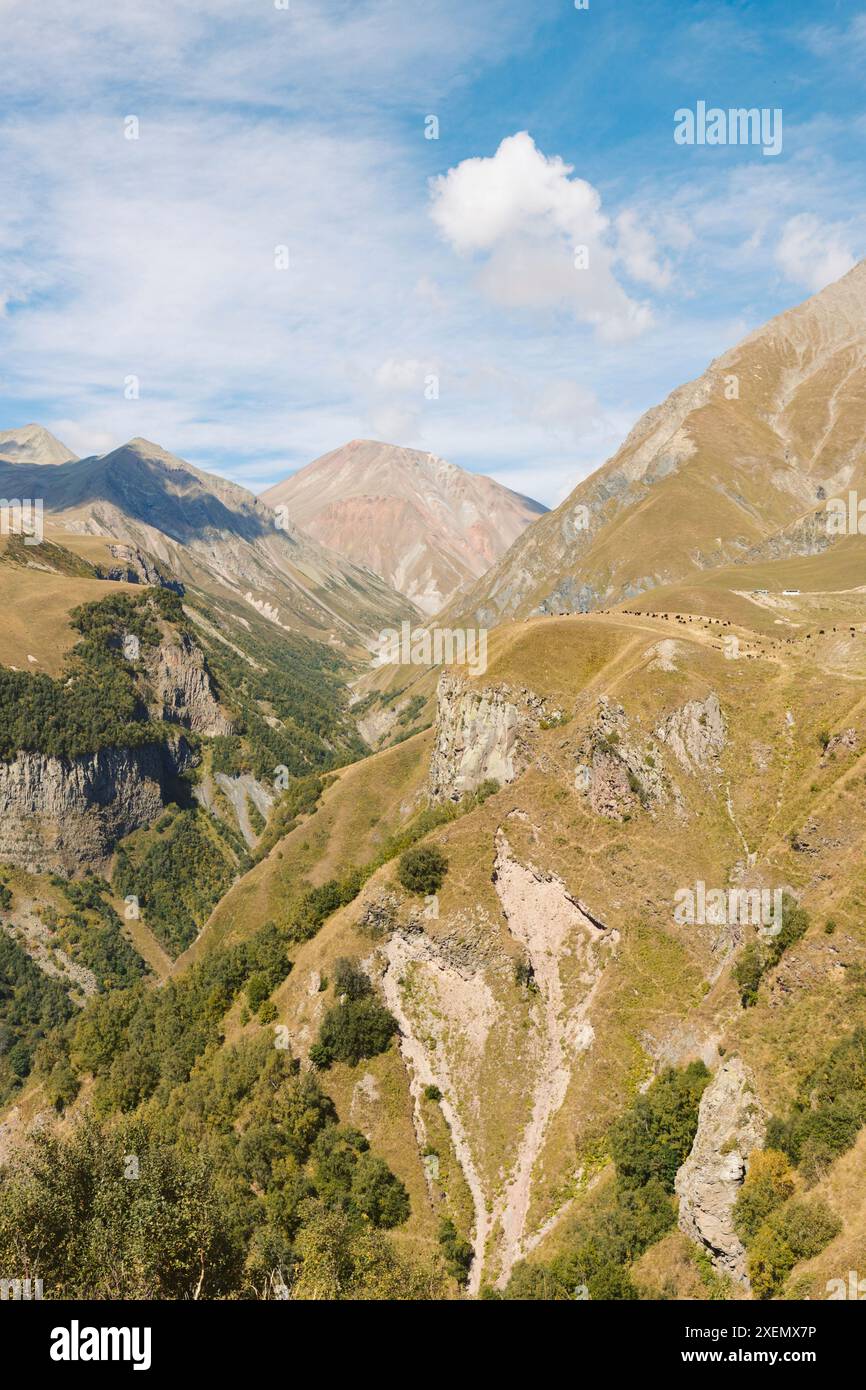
x=298 y=681
x=602 y=1243
x=31 y=1005
x=109 y=1212
x=140 y=1042
x=340 y=1257
x=654 y=1138
x=829 y=1109
x=316 y=904
x=95 y=703
x=422 y=869
x=761 y=955
x=456 y=1251
x=794 y=1231
x=648 y=1144
x=768 y=1183
x=353 y=1030
x=178 y=876
x=769 y=1262
x=350 y=980
x=92 y=933
x=300 y=798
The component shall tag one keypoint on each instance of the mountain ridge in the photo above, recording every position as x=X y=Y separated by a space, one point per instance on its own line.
x=425 y=525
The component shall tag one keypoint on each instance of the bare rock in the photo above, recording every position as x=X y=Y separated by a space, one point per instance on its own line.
x=731 y=1123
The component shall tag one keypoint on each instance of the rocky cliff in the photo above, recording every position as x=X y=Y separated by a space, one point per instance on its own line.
x=178 y=676
x=482 y=734
x=731 y=1123
x=67 y=813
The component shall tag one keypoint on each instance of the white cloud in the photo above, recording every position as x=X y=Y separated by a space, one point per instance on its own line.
x=531 y=220
x=637 y=250
x=811 y=253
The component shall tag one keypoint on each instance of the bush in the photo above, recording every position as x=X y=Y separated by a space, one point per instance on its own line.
x=456 y=1250
x=422 y=869
x=829 y=1110
x=768 y=1183
x=377 y=1193
x=350 y=980
x=359 y=1028
x=654 y=1138
x=769 y=1263
x=805 y=1227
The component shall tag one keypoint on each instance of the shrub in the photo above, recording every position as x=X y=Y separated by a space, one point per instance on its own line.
x=805 y=1227
x=768 y=1183
x=653 y=1139
x=377 y=1193
x=422 y=869
x=350 y=980
x=456 y=1250
x=769 y=1263
x=359 y=1028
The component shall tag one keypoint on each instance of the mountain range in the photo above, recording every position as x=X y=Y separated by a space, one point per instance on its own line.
x=567 y=978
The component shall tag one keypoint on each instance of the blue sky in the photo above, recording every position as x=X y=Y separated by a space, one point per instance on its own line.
x=409 y=258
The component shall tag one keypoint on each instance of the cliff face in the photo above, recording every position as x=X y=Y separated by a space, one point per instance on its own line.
x=182 y=694
x=67 y=813
x=480 y=734
x=731 y=1123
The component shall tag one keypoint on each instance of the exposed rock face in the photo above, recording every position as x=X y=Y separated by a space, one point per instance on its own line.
x=480 y=734
x=135 y=566
x=67 y=813
x=179 y=679
x=617 y=770
x=695 y=733
x=451 y=985
x=731 y=1123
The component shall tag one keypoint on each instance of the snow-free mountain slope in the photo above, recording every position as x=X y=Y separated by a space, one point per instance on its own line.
x=32 y=444
x=732 y=467
x=423 y=524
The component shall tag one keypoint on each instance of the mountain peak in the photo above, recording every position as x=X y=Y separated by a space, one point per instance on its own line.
x=33 y=444
x=425 y=525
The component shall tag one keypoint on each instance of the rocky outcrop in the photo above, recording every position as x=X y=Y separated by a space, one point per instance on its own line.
x=481 y=734
x=617 y=769
x=695 y=733
x=731 y=1123
x=135 y=566
x=181 y=689
x=67 y=813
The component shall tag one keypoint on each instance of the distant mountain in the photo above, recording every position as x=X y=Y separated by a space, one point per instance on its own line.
x=733 y=467
x=423 y=524
x=32 y=444
x=213 y=534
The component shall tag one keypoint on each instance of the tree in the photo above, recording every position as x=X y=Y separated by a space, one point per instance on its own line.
x=457 y=1251
x=340 y=1257
x=109 y=1212
x=377 y=1193
x=422 y=869
x=359 y=1028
